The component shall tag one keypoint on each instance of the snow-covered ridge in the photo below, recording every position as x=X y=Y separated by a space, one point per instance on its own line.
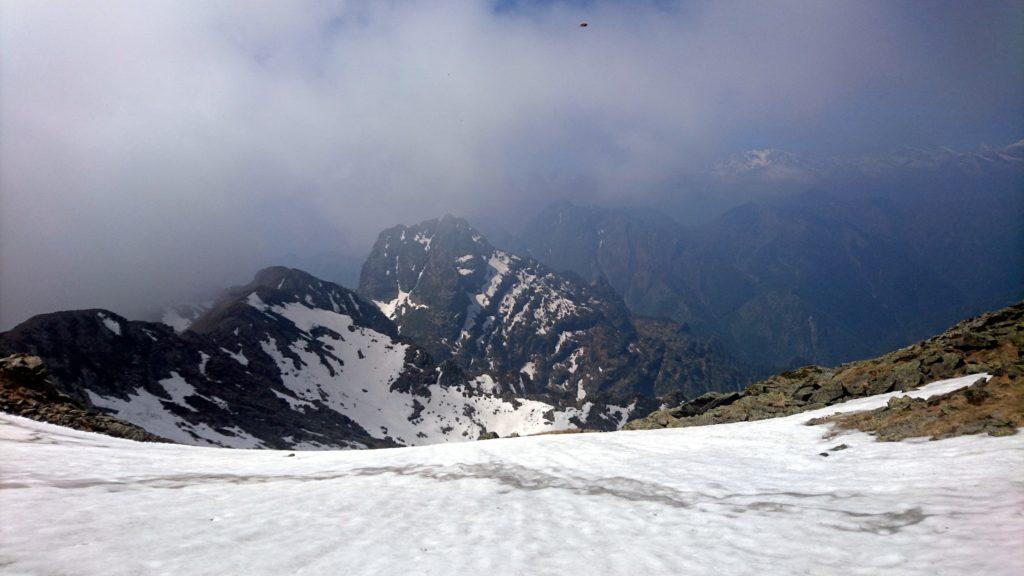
x=740 y=499
x=356 y=379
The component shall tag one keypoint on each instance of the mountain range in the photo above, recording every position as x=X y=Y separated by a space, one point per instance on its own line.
x=448 y=339
x=868 y=257
x=288 y=361
x=588 y=318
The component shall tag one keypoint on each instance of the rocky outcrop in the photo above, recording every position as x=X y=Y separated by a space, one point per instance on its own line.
x=508 y=319
x=989 y=406
x=28 y=390
x=990 y=343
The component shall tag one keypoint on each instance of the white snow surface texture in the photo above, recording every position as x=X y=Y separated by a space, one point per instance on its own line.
x=745 y=498
x=356 y=383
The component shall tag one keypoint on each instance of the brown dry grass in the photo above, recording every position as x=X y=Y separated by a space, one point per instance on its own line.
x=995 y=407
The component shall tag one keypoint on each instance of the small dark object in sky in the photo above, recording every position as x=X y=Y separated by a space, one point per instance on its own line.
x=583 y=24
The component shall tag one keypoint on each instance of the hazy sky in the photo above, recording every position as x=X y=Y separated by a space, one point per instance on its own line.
x=149 y=150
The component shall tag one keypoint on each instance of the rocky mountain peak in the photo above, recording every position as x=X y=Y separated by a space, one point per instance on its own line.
x=507 y=318
x=287 y=361
x=278 y=286
x=280 y=277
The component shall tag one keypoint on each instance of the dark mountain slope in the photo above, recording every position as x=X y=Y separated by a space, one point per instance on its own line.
x=840 y=259
x=823 y=281
x=509 y=319
x=27 y=389
x=288 y=361
x=182 y=387
x=990 y=343
x=786 y=284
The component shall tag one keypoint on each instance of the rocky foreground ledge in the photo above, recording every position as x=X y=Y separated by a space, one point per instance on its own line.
x=990 y=343
x=27 y=389
x=993 y=406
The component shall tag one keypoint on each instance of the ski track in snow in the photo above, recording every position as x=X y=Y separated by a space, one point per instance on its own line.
x=744 y=498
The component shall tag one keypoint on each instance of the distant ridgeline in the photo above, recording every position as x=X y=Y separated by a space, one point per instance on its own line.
x=882 y=255
x=448 y=339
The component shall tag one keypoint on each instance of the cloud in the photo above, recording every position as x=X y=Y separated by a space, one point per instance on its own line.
x=153 y=150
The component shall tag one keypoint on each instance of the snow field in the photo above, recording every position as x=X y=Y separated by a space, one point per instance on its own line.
x=744 y=498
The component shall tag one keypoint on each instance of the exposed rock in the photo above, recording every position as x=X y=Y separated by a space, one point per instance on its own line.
x=704 y=403
x=828 y=393
x=27 y=389
x=995 y=407
x=288 y=362
x=530 y=330
x=989 y=343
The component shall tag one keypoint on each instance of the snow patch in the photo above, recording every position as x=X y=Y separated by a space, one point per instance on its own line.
x=148 y=411
x=530 y=369
x=391 y=309
x=110 y=323
x=237 y=356
x=581 y=394
x=486 y=384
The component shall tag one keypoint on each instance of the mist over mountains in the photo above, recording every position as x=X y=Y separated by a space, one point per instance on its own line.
x=483 y=218
x=803 y=261
x=449 y=338
x=152 y=153
x=868 y=257
x=512 y=287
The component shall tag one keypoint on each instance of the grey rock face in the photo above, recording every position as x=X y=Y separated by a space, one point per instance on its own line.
x=532 y=330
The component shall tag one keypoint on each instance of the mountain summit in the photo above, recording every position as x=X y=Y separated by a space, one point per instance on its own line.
x=511 y=320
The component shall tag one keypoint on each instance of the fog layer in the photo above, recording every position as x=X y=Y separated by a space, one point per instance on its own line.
x=150 y=151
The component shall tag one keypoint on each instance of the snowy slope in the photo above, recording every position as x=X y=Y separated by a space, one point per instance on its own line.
x=354 y=370
x=357 y=380
x=746 y=498
x=288 y=361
